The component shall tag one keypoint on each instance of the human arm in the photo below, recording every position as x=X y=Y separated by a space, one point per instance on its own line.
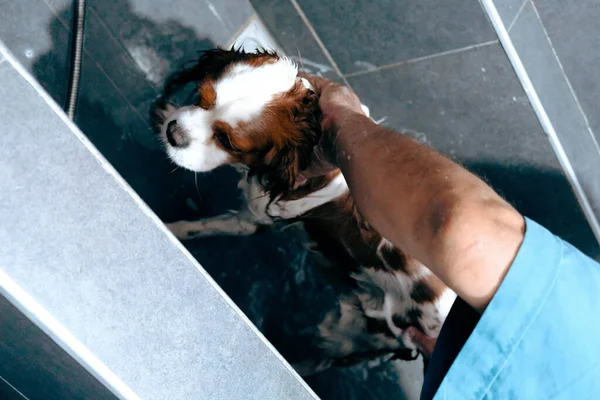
x=424 y=203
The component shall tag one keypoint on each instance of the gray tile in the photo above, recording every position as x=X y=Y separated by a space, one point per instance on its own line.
x=71 y=227
x=35 y=365
x=41 y=44
x=471 y=106
x=161 y=37
x=135 y=78
x=294 y=37
x=361 y=35
x=7 y=392
x=575 y=34
x=508 y=10
x=548 y=79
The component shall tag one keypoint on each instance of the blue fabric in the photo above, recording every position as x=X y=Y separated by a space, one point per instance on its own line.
x=539 y=337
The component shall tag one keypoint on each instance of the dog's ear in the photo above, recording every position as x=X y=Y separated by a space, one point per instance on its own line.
x=299 y=119
x=210 y=63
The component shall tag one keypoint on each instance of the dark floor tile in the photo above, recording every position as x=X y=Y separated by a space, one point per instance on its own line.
x=124 y=137
x=37 y=366
x=575 y=34
x=7 y=392
x=508 y=10
x=30 y=30
x=135 y=77
x=471 y=106
x=363 y=34
x=294 y=37
x=162 y=37
x=539 y=59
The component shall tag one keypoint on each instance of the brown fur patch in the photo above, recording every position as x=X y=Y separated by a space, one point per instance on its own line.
x=208 y=96
x=427 y=290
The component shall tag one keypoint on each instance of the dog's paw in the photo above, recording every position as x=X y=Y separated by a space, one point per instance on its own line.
x=276 y=210
x=286 y=209
x=181 y=230
x=366 y=110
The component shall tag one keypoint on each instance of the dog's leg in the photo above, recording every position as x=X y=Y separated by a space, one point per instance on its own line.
x=288 y=209
x=242 y=223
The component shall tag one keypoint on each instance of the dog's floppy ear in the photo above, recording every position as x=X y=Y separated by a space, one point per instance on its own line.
x=210 y=63
x=299 y=118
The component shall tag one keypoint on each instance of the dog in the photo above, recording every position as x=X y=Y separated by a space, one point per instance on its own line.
x=254 y=111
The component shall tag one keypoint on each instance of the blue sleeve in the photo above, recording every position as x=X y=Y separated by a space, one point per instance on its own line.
x=539 y=337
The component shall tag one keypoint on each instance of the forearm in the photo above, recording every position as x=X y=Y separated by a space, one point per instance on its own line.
x=430 y=207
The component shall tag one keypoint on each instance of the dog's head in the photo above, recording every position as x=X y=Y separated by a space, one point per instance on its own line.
x=251 y=109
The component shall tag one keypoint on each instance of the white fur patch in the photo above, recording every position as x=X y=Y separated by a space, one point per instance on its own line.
x=242 y=94
x=294 y=208
x=245 y=90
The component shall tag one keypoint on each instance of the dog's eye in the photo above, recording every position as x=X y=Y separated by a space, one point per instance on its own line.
x=223 y=138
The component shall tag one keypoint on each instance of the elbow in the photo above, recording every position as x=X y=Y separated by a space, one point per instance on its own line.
x=460 y=225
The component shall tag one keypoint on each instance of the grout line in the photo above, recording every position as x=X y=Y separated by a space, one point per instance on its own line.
x=246 y=24
x=587 y=123
x=122 y=46
x=512 y=23
x=2 y=378
x=414 y=60
x=319 y=41
x=57 y=15
x=538 y=107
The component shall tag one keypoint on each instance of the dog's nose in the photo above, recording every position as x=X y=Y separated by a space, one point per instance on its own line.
x=175 y=135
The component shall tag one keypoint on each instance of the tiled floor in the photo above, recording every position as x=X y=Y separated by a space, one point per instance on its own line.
x=432 y=68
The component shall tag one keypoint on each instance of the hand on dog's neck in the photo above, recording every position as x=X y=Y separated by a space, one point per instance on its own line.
x=318 y=166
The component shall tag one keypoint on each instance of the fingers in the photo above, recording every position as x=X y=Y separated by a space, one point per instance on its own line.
x=317 y=82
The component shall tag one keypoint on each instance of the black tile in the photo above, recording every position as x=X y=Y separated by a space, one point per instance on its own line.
x=538 y=57
x=37 y=366
x=7 y=391
x=575 y=34
x=162 y=37
x=363 y=34
x=508 y=10
x=285 y=25
x=30 y=30
x=471 y=106
x=135 y=77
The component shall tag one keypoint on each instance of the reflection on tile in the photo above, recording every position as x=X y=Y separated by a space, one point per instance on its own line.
x=508 y=10
x=549 y=81
x=133 y=76
x=575 y=34
x=471 y=106
x=362 y=35
x=292 y=34
x=166 y=36
x=34 y=42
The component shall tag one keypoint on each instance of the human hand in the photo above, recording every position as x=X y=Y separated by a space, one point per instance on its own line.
x=337 y=103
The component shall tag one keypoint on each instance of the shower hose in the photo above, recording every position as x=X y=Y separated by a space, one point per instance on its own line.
x=76 y=54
